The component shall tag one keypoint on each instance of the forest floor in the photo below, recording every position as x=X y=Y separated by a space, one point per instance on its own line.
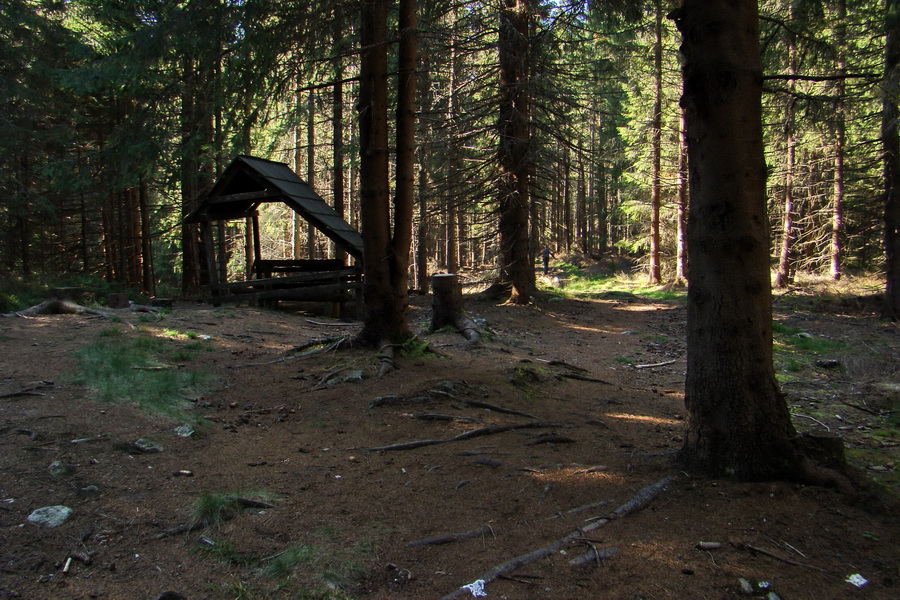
x=300 y=434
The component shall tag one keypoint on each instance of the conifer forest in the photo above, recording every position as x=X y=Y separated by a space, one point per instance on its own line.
x=117 y=116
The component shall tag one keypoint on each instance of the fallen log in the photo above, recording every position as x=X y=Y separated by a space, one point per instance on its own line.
x=60 y=306
x=641 y=499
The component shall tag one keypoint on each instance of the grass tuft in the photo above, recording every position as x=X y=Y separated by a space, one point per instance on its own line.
x=124 y=369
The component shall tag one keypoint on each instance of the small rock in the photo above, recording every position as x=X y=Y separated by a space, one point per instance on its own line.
x=828 y=363
x=89 y=491
x=50 y=516
x=58 y=469
x=709 y=545
x=146 y=446
x=184 y=430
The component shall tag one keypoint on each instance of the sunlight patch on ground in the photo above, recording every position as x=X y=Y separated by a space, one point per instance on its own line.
x=642 y=307
x=643 y=419
x=576 y=475
x=588 y=329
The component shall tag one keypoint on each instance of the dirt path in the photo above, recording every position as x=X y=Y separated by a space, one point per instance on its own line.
x=565 y=452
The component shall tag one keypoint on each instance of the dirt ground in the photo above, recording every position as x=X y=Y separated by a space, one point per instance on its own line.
x=602 y=423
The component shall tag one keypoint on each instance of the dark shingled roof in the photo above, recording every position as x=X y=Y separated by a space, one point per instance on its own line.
x=249 y=181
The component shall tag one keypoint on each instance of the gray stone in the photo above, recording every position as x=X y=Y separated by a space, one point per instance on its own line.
x=185 y=430
x=50 y=516
x=58 y=469
x=146 y=446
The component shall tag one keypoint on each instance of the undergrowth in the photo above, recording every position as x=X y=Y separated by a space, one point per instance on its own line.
x=140 y=369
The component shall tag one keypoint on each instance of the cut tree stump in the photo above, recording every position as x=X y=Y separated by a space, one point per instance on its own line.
x=447 y=306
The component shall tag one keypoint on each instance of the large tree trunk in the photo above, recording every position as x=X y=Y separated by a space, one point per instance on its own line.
x=405 y=196
x=681 y=262
x=837 y=215
x=891 y=142
x=337 y=132
x=738 y=421
x=783 y=276
x=656 y=183
x=386 y=259
x=515 y=265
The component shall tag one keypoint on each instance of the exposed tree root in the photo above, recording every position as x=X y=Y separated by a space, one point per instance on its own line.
x=463 y=436
x=58 y=306
x=641 y=499
x=451 y=537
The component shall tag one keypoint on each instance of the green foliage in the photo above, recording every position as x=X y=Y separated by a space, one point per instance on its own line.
x=214 y=508
x=132 y=369
x=416 y=348
x=796 y=351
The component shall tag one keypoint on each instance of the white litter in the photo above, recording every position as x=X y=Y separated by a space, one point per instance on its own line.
x=857 y=580
x=477 y=588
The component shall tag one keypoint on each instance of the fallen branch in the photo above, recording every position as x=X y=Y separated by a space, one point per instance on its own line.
x=593 y=555
x=654 y=365
x=451 y=537
x=740 y=546
x=643 y=497
x=28 y=392
x=866 y=409
x=463 y=436
x=321 y=345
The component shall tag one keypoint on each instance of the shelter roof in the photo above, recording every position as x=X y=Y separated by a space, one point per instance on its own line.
x=249 y=181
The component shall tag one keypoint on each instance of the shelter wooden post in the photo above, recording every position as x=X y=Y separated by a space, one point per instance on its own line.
x=209 y=248
x=248 y=248
x=257 y=246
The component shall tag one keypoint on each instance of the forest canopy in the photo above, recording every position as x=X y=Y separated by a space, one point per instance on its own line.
x=117 y=116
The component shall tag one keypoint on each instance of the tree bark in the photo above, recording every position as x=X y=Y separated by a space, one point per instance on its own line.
x=681 y=261
x=386 y=258
x=515 y=267
x=783 y=277
x=738 y=420
x=656 y=184
x=337 y=131
x=837 y=216
x=891 y=148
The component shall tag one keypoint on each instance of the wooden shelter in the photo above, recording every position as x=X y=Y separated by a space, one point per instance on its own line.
x=249 y=182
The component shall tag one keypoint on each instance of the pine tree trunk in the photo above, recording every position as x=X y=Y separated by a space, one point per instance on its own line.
x=338 y=127
x=783 y=276
x=738 y=420
x=405 y=197
x=837 y=216
x=311 y=166
x=386 y=312
x=681 y=260
x=515 y=265
x=891 y=142
x=655 y=192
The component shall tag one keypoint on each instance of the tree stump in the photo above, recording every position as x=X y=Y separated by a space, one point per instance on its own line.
x=825 y=448
x=118 y=300
x=447 y=306
x=446 y=300
x=75 y=294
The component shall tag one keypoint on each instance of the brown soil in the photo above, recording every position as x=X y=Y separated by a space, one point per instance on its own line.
x=275 y=427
